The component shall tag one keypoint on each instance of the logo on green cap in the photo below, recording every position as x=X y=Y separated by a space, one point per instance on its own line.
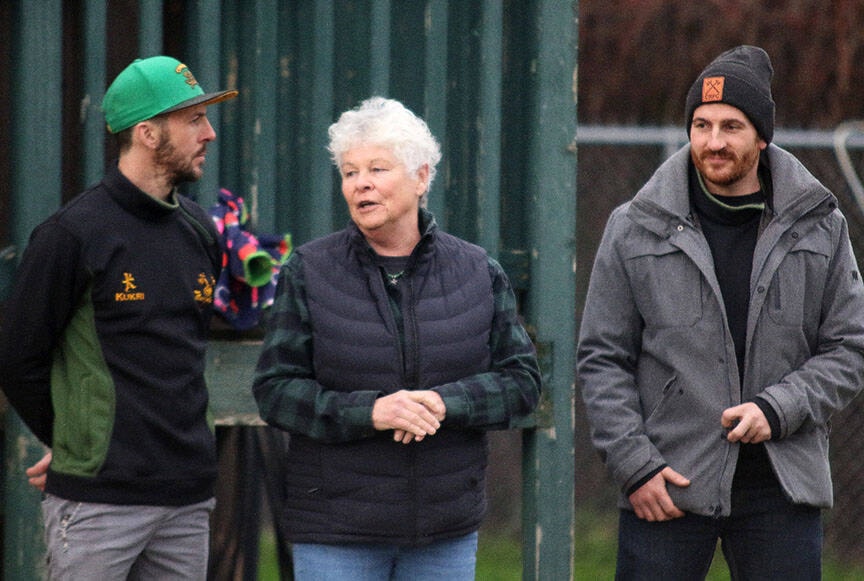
x=184 y=70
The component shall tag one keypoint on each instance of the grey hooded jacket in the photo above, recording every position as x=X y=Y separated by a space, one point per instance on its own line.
x=656 y=359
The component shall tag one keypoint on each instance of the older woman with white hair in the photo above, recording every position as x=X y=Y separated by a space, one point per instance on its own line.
x=392 y=348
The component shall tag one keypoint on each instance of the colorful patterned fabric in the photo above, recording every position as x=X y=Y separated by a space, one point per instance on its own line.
x=250 y=263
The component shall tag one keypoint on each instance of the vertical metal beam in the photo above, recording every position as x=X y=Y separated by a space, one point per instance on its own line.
x=321 y=116
x=435 y=87
x=35 y=194
x=94 y=88
x=150 y=28
x=379 y=48
x=205 y=50
x=262 y=187
x=232 y=117
x=249 y=141
x=241 y=25
x=489 y=128
x=548 y=449
x=460 y=166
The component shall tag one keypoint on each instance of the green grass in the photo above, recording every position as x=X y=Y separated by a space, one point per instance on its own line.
x=499 y=558
x=268 y=564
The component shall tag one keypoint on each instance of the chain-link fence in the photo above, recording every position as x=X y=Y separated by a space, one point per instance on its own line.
x=614 y=162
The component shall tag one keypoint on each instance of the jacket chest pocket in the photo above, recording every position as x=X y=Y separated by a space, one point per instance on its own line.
x=666 y=286
x=798 y=284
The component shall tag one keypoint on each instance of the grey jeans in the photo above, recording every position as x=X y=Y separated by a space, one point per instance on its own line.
x=116 y=542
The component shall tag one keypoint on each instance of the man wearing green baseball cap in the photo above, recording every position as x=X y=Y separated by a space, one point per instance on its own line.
x=151 y=87
x=103 y=346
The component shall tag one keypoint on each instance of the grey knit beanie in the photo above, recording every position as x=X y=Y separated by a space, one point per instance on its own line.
x=740 y=77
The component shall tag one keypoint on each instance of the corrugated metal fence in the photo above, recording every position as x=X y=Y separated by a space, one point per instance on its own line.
x=495 y=79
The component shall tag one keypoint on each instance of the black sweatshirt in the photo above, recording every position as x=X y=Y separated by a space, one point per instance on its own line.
x=731 y=226
x=103 y=346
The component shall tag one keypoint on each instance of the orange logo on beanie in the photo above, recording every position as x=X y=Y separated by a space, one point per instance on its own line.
x=712 y=89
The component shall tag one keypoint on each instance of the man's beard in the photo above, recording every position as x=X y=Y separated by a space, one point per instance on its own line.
x=176 y=169
x=741 y=166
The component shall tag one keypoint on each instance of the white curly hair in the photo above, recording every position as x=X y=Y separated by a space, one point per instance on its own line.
x=386 y=123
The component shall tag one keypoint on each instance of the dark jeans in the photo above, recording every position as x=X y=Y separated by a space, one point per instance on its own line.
x=766 y=537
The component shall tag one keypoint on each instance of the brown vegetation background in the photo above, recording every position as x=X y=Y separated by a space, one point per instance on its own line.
x=637 y=58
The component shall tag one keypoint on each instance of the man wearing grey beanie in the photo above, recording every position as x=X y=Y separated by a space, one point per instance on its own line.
x=723 y=327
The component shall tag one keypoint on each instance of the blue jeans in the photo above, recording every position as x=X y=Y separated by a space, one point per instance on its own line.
x=766 y=537
x=451 y=559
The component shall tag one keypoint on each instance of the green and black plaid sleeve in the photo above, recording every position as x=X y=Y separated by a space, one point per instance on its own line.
x=510 y=390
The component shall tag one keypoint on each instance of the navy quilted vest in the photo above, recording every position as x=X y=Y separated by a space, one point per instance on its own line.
x=376 y=490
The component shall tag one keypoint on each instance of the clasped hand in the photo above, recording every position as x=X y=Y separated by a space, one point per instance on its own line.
x=412 y=415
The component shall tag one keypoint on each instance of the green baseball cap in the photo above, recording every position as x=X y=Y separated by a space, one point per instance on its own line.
x=150 y=87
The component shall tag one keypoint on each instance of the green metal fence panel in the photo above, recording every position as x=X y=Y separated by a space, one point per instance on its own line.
x=379 y=47
x=150 y=24
x=205 y=54
x=35 y=192
x=94 y=86
x=435 y=39
x=308 y=205
x=548 y=457
x=493 y=79
x=232 y=115
x=489 y=127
